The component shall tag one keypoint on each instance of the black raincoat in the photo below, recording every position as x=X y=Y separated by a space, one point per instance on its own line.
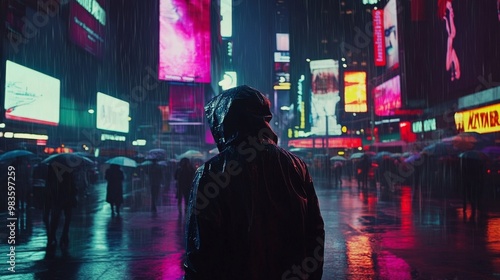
x=253 y=211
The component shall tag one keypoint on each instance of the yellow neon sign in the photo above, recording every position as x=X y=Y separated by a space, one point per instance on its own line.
x=481 y=120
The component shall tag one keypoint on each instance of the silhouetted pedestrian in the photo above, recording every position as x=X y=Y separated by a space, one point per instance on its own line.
x=155 y=174
x=337 y=173
x=184 y=176
x=114 y=191
x=61 y=197
x=362 y=169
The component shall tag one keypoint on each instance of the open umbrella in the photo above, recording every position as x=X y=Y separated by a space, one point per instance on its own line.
x=468 y=141
x=492 y=151
x=440 y=149
x=15 y=154
x=381 y=155
x=159 y=154
x=413 y=158
x=337 y=158
x=357 y=155
x=476 y=155
x=191 y=154
x=122 y=161
x=70 y=160
x=149 y=162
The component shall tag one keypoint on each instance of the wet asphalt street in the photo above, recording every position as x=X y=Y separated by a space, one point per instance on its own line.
x=370 y=234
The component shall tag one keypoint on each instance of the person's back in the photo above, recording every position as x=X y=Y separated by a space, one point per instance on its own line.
x=184 y=175
x=114 y=175
x=254 y=211
x=155 y=174
x=62 y=188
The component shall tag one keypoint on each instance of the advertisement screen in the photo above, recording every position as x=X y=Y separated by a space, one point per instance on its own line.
x=87 y=22
x=355 y=92
x=324 y=97
x=459 y=41
x=112 y=113
x=31 y=96
x=387 y=97
x=282 y=71
x=184 y=41
x=186 y=103
x=282 y=42
x=391 y=35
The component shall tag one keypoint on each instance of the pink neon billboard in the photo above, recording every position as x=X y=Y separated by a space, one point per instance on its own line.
x=387 y=97
x=184 y=41
x=87 y=25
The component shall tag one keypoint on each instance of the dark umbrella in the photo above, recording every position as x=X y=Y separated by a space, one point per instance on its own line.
x=69 y=160
x=440 y=149
x=492 y=151
x=477 y=155
x=381 y=155
x=159 y=154
x=15 y=154
x=413 y=158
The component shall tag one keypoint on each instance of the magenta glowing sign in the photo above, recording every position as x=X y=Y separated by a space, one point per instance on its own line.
x=184 y=41
x=387 y=97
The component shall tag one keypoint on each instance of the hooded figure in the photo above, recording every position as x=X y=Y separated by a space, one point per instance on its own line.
x=253 y=211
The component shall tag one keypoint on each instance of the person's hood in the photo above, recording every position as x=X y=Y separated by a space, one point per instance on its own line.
x=237 y=114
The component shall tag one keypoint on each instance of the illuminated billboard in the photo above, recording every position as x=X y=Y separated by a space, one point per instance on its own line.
x=324 y=97
x=282 y=42
x=184 y=41
x=481 y=120
x=458 y=46
x=387 y=97
x=112 y=113
x=31 y=96
x=391 y=35
x=87 y=22
x=226 y=14
x=378 y=37
x=282 y=71
x=355 y=92
x=186 y=104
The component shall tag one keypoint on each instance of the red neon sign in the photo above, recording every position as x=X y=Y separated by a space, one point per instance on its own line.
x=378 y=37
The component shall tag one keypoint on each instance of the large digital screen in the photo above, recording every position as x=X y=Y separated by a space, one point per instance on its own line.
x=387 y=97
x=324 y=97
x=87 y=22
x=459 y=46
x=31 y=96
x=184 y=41
x=391 y=35
x=355 y=92
x=112 y=113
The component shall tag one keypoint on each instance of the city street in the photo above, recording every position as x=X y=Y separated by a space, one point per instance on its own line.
x=369 y=235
